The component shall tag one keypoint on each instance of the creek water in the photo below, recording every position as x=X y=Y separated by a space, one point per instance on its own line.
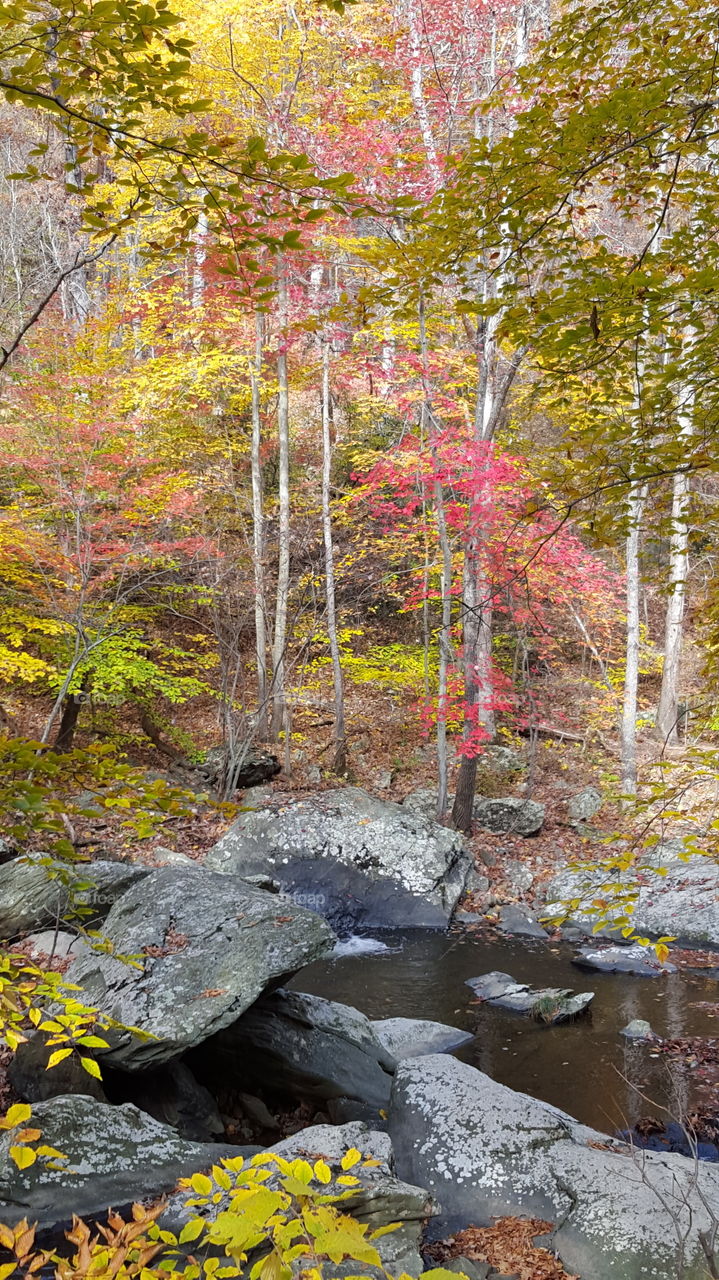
x=586 y=1067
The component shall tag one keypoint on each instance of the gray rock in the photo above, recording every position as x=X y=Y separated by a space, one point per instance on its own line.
x=304 y=1046
x=37 y=891
x=359 y=860
x=162 y=857
x=584 y=805
x=518 y=875
x=639 y=1029
x=509 y=815
x=56 y=944
x=469 y=1267
x=215 y=943
x=548 y=1005
x=501 y=759
x=519 y=921
x=476 y=882
x=683 y=902
x=380 y=1199
x=485 y=1151
x=30 y=1078
x=423 y=801
x=113 y=1155
x=640 y=960
x=413 y=1037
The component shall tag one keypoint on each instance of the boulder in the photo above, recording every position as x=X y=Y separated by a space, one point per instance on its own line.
x=257 y=768
x=584 y=804
x=484 y=1151
x=682 y=901
x=519 y=921
x=358 y=860
x=382 y=1198
x=208 y=944
x=37 y=891
x=509 y=815
x=548 y=1005
x=518 y=875
x=413 y=1037
x=301 y=1045
x=637 y=959
x=500 y=759
x=112 y=1156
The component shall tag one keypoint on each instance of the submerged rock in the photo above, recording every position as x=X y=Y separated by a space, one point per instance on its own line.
x=209 y=945
x=304 y=1046
x=549 y=1005
x=509 y=815
x=414 y=1037
x=37 y=891
x=357 y=860
x=113 y=1155
x=637 y=959
x=485 y=1151
x=639 y=1029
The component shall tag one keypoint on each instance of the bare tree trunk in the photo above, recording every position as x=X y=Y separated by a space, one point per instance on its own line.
x=198 y=261
x=668 y=708
x=279 y=638
x=637 y=501
x=428 y=426
x=258 y=533
x=417 y=93
x=339 y=764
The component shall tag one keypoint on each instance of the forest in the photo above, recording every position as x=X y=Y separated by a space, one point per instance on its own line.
x=359 y=614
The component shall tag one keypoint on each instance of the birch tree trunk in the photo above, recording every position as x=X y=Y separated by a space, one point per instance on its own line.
x=339 y=763
x=637 y=502
x=258 y=532
x=279 y=637
x=668 y=708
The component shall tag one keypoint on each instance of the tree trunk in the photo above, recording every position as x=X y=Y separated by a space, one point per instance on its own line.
x=279 y=638
x=668 y=708
x=428 y=426
x=339 y=763
x=477 y=664
x=65 y=736
x=637 y=500
x=258 y=534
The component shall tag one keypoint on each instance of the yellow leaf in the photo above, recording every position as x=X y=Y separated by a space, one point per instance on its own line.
x=6 y=1270
x=91 y=1067
x=351 y=1158
x=323 y=1173
x=23 y=1156
x=18 y=1114
x=57 y=1056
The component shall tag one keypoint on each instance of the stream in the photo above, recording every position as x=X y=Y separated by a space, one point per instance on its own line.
x=585 y=1067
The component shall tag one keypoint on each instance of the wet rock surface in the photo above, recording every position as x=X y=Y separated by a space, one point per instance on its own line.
x=414 y=1037
x=549 y=1005
x=635 y=959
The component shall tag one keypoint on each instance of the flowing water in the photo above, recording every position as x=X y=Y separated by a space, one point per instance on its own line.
x=585 y=1067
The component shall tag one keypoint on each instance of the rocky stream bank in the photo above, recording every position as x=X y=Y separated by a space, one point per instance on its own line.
x=225 y=1058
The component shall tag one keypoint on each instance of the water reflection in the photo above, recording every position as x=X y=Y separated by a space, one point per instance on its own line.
x=585 y=1067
